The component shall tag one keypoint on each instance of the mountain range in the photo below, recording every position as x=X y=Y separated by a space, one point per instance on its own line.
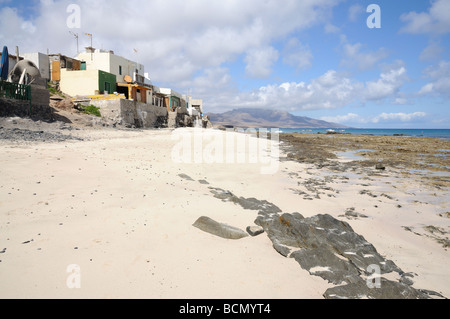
x=267 y=118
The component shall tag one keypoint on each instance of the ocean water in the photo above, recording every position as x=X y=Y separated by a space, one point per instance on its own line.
x=432 y=133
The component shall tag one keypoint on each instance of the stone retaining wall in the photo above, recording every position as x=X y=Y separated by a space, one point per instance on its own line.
x=131 y=113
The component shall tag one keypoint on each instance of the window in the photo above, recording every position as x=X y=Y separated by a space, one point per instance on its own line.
x=120 y=70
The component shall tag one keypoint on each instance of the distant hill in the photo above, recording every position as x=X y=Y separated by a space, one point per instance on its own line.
x=267 y=119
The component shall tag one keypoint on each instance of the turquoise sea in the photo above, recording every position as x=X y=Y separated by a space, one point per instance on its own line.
x=432 y=133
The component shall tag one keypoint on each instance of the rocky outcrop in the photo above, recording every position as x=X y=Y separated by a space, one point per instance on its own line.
x=246 y=203
x=325 y=247
x=329 y=248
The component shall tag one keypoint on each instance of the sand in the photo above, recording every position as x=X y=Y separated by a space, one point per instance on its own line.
x=115 y=208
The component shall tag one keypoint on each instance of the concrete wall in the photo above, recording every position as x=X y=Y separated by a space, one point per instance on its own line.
x=42 y=62
x=196 y=103
x=79 y=82
x=40 y=96
x=131 y=113
x=11 y=107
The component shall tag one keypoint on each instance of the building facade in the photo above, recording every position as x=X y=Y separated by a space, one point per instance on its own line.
x=59 y=62
x=87 y=82
x=109 y=62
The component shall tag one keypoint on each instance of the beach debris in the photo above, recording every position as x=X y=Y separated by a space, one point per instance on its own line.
x=254 y=230
x=350 y=213
x=186 y=177
x=439 y=234
x=219 y=229
x=367 y=192
x=380 y=166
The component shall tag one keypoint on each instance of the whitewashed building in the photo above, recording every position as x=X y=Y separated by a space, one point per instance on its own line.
x=106 y=60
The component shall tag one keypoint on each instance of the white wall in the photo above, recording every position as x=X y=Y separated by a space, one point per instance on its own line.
x=99 y=61
x=79 y=82
x=108 y=62
x=42 y=62
x=167 y=91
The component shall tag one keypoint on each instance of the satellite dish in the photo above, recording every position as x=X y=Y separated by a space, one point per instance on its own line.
x=127 y=79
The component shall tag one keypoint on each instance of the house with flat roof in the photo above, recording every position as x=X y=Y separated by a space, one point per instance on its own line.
x=107 y=61
x=59 y=62
x=87 y=82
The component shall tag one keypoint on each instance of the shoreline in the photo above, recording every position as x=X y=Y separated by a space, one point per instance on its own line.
x=117 y=205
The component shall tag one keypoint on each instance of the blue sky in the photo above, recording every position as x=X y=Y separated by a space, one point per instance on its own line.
x=315 y=58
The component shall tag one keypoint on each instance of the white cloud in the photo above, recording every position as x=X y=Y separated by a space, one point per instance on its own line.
x=403 y=117
x=352 y=118
x=440 y=80
x=297 y=54
x=329 y=91
x=260 y=62
x=353 y=55
x=354 y=12
x=388 y=85
x=426 y=89
x=431 y=52
x=330 y=28
x=175 y=38
x=348 y=118
x=435 y=21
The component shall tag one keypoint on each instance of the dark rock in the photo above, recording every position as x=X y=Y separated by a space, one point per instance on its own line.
x=254 y=230
x=322 y=262
x=222 y=230
x=186 y=177
x=281 y=249
x=380 y=166
x=329 y=248
x=262 y=206
x=350 y=213
x=388 y=290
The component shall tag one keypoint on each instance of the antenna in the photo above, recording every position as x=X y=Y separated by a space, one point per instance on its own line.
x=89 y=35
x=76 y=37
x=91 y=48
x=137 y=71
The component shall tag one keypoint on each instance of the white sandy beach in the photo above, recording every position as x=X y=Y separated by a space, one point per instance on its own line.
x=116 y=207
